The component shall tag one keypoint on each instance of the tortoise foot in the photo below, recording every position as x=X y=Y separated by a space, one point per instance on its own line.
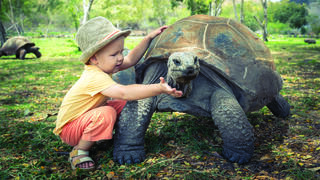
x=279 y=107
x=234 y=155
x=129 y=156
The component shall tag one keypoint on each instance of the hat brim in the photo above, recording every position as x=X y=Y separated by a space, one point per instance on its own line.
x=86 y=55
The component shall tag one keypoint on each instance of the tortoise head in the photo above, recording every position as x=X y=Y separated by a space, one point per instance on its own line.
x=183 y=67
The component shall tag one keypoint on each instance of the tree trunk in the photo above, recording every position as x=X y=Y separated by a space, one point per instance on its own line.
x=241 y=12
x=12 y=19
x=264 y=24
x=217 y=9
x=75 y=21
x=235 y=10
x=2 y=34
x=265 y=12
x=2 y=31
x=20 y=17
x=211 y=11
x=86 y=10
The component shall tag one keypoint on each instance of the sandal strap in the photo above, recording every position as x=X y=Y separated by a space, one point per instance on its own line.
x=81 y=160
x=78 y=152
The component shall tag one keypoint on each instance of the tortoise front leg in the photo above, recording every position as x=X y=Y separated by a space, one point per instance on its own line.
x=130 y=131
x=21 y=54
x=235 y=129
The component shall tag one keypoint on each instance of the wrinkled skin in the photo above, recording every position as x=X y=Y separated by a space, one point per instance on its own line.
x=202 y=97
x=183 y=67
x=224 y=71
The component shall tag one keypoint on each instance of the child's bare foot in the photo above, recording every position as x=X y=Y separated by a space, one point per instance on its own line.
x=80 y=159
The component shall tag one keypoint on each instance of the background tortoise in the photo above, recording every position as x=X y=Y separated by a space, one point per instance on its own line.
x=19 y=46
x=223 y=69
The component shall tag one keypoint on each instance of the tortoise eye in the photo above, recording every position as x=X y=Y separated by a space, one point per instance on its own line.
x=176 y=62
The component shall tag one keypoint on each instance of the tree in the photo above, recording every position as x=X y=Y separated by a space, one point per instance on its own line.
x=12 y=16
x=314 y=17
x=160 y=11
x=241 y=11
x=86 y=10
x=215 y=7
x=264 y=23
x=211 y=7
x=2 y=31
x=73 y=8
x=290 y=12
x=300 y=1
x=18 y=15
x=235 y=10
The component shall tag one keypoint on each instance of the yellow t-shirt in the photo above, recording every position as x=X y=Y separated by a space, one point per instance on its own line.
x=83 y=96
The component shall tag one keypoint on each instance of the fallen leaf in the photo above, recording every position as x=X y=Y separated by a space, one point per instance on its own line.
x=110 y=175
x=265 y=157
x=314 y=169
x=307 y=157
x=186 y=163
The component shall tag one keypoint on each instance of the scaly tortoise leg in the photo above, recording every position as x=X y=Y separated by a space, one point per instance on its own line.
x=235 y=129
x=130 y=131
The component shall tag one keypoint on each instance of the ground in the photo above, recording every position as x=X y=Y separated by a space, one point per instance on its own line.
x=179 y=146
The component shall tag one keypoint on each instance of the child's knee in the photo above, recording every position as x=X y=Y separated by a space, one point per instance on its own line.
x=108 y=116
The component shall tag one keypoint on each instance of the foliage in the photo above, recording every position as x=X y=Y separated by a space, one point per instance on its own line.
x=47 y=16
x=314 y=17
x=250 y=9
x=289 y=12
x=278 y=28
x=39 y=13
x=300 y=1
x=199 y=6
x=55 y=17
x=179 y=146
x=195 y=6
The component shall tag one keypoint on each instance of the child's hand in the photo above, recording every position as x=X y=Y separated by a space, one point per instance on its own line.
x=169 y=90
x=156 y=32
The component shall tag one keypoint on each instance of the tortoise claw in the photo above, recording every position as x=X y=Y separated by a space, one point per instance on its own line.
x=129 y=157
x=236 y=155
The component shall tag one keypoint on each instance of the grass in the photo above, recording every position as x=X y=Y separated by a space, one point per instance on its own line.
x=179 y=146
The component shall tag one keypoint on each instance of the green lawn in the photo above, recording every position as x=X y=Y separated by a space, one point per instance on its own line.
x=179 y=146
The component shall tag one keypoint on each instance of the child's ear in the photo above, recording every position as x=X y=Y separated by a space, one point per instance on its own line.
x=93 y=59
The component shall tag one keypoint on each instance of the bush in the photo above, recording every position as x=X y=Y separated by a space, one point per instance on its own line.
x=314 y=22
x=278 y=28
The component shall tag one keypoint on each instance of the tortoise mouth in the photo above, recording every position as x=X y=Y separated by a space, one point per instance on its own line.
x=184 y=75
x=174 y=84
x=182 y=83
x=186 y=79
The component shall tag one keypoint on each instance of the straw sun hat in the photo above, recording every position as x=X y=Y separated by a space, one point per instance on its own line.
x=95 y=34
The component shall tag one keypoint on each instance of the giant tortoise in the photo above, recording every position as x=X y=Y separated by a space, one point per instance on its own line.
x=224 y=71
x=19 y=46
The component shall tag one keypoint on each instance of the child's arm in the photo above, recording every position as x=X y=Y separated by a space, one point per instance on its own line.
x=136 y=53
x=140 y=91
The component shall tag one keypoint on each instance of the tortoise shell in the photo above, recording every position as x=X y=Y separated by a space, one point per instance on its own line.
x=11 y=46
x=226 y=47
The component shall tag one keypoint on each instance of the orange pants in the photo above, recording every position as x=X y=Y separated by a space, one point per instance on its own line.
x=94 y=125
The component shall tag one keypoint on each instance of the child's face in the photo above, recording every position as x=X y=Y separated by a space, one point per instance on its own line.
x=110 y=58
